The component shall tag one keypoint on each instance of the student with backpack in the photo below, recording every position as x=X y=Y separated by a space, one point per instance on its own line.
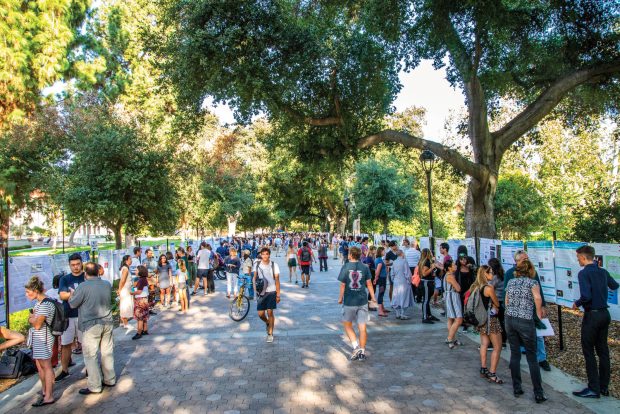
x=355 y=284
x=306 y=257
x=266 y=283
x=41 y=339
x=92 y=300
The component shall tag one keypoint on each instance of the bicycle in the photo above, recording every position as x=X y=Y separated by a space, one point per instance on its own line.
x=240 y=304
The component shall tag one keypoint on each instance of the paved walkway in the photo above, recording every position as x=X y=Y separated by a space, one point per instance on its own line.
x=205 y=362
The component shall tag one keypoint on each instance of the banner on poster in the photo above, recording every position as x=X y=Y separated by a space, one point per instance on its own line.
x=2 y=294
x=509 y=248
x=541 y=256
x=566 y=270
x=608 y=256
x=21 y=269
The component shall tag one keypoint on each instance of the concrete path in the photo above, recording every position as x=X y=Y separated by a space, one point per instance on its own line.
x=205 y=362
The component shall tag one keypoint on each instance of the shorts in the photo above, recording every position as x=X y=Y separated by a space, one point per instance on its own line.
x=267 y=302
x=71 y=333
x=292 y=262
x=202 y=273
x=358 y=314
x=305 y=269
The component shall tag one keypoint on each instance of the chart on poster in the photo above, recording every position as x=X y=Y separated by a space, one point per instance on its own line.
x=566 y=270
x=541 y=256
x=509 y=248
x=608 y=257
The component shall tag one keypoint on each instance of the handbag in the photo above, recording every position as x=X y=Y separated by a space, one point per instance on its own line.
x=415 y=279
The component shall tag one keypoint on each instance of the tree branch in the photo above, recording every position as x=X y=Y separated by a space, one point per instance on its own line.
x=548 y=100
x=449 y=155
x=327 y=121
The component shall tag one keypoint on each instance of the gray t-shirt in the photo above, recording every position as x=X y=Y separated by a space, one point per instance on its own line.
x=92 y=300
x=354 y=276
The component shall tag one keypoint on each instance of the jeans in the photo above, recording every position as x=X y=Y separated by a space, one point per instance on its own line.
x=230 y=283
x=99 y=338
x=210 y=281
x=323 y=263
x=523 y=332
x=381 y=283
x=429 y=288
x=541 y=352
x=594 y=331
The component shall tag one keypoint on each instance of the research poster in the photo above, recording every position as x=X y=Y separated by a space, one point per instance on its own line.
x=509 y=248
x=488 y=249
x=425 y=243
x=21 y=269
x=566 y=271
x=2 y=294
x=608 y=256
x=60 y=264
x=105 y=259
x=541 y=255
x=470 y=243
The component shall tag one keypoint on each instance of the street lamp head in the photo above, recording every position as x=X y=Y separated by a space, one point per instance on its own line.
x=346 y=201
x=428 y=160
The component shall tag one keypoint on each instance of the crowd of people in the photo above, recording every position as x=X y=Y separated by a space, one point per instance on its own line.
x=504 y=308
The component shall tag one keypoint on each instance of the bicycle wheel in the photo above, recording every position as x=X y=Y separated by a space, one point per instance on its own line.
x=219 y=274
x=239 y=308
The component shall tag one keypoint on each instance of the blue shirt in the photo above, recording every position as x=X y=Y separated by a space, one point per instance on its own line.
x=383 y=271
x=65 y=284
x=593 y=284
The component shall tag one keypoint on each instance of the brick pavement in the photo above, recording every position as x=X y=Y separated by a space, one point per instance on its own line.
x=205 y=362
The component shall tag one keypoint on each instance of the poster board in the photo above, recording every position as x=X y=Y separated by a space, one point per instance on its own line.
x=21 y=269
x=541 y=256
x=566 y=270
x=509 y=248
x=608 y=256
x=106 y=259
x=425 y=243
x=488 y=250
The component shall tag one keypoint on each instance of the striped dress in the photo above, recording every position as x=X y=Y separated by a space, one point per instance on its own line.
x=41 y=340
x=453 y=300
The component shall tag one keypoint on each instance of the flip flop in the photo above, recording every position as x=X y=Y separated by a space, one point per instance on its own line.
x=41 y=403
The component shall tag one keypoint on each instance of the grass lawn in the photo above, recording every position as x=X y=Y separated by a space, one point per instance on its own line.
x=102 y=246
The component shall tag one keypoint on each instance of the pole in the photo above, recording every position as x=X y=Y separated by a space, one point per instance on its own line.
x=430 y=211
x=346 y=222
x=477 y=247
x=560 y=325
x=167 y=246
x=63 y=230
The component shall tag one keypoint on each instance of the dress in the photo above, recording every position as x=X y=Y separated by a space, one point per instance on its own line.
x=126 y=306
x=41 y=340
x=402 y=296
x=453 y=301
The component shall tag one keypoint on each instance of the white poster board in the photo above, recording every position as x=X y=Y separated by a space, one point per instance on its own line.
x=541 y=255
x=566 y=271
x=106 y=260
x=509 y=248
x=608 y=256
x=488 y=250
x=470 y=243
x=425 y=243
x=21 y=269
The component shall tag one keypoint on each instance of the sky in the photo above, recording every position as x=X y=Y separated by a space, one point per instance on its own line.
x=424 y=86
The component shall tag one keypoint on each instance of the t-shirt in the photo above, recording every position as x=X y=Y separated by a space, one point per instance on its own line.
x=92 y=300
x=135 y=262
x=383 y=271
x=163 y=274
x=203 y=256
x=431 y=275
x=143 y=285
x=66 y=283
x=264 y=271
x=232 y=264
x=354 y=276
x=149 y=263
x=181 y=277
x=413 y=256
x=300 y=253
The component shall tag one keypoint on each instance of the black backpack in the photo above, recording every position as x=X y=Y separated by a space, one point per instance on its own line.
x=305 y=254
x=60 y=322
x=261 y=283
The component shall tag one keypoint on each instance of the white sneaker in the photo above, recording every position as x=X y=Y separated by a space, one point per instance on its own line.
x=269 y=339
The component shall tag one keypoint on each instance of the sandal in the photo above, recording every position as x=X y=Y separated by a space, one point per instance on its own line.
x=76 y=351
x=41 y=403
x=453 y=344
x=484 y=372
x=492 y=377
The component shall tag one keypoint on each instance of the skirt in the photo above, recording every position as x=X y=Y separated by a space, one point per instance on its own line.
x=292 y=262
x=494 y=327
x=141 y=309
x=126 y=305
x=453 y=305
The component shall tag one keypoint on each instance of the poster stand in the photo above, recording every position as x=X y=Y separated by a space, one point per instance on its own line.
x=561 y=330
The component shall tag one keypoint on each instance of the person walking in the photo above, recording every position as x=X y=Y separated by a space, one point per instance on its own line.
x=92 y=301
x=454 y=309
x=246 y=268
x=490 y=332
x=124 y=292
x=402 y=296
x=41 y=339
x=141 y=302
x=72 y=334
x=322 y=253
x=594 y=283
x=523 y=298
x=380 y=280
x=355 y=284
x=180 y=279
x=291 y=255
x=269 y=295
x=306 y=257
x=426 y=269
x=204 y=257
x=233 y=266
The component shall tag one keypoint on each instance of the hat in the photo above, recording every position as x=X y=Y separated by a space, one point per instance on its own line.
x=462 y=255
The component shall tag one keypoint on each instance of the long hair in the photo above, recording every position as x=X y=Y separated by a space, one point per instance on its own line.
x=426 y=255
x=481 y=278
x=497 y=268
x=124 y=261
x=159 y=260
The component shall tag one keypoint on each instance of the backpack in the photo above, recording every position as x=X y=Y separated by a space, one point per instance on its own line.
x=15 y=363
x=60 y=322
x=305 y=254
x=475 y=312
x=262 y=283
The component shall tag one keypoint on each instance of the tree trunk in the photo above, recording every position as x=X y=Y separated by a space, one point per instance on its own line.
x=4 y=229
x=72 y=236
x=479 y=212
x=385 y=226
x=118 y=239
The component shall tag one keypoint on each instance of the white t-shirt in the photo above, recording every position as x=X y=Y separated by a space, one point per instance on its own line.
x=264 y=270
x=181 y=276
x=203 y=257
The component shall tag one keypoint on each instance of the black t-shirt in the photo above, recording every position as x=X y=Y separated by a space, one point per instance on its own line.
x=431 y=275
x=391 y=256
x=465 y=280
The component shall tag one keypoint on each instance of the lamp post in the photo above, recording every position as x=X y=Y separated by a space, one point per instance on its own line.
x=427 y=158
x=62 y=211
x=325 y=225
x=346 y=207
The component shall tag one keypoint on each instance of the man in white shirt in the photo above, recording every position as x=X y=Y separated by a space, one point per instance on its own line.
x=204 y=257
x=412 y=255
x=269 y=296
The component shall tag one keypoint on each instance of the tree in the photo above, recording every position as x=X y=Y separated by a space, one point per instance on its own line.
x=328 y=70
x=598 y=219
x=520 y=207
x=381 y=193
x=36 y=37
x=126 y=185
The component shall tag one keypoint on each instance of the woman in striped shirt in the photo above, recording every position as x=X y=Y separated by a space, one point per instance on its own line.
x=40 y=338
